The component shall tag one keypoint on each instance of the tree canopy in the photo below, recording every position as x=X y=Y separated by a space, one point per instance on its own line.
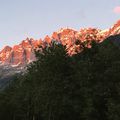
x=85 y=86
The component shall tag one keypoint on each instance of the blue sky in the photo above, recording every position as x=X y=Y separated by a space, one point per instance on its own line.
x=36 y=18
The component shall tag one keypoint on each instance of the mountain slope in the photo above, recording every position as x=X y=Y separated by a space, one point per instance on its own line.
x=23 y=53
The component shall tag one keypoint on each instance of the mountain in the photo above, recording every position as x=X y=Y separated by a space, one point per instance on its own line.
x=22 y=54
x=13 y=60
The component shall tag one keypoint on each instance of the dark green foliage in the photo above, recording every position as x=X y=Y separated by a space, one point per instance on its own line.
x=85 y=86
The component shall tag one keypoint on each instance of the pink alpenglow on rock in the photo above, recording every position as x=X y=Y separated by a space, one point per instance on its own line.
x=23 y=53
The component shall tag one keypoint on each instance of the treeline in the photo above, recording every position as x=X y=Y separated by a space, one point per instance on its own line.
x=85 y=86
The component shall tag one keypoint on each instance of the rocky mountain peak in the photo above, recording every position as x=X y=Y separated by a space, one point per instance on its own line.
x=23 y=53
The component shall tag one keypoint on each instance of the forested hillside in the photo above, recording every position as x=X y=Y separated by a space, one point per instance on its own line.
x=57 y=86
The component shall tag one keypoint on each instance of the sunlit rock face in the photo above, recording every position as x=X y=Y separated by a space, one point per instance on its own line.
x=19 y=54
x=5 y=53
x=23 y=53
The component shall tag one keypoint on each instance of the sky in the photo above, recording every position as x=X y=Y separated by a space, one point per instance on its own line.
x=20 y=19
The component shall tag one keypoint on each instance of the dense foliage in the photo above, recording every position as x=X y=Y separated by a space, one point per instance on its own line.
x=85 y=86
